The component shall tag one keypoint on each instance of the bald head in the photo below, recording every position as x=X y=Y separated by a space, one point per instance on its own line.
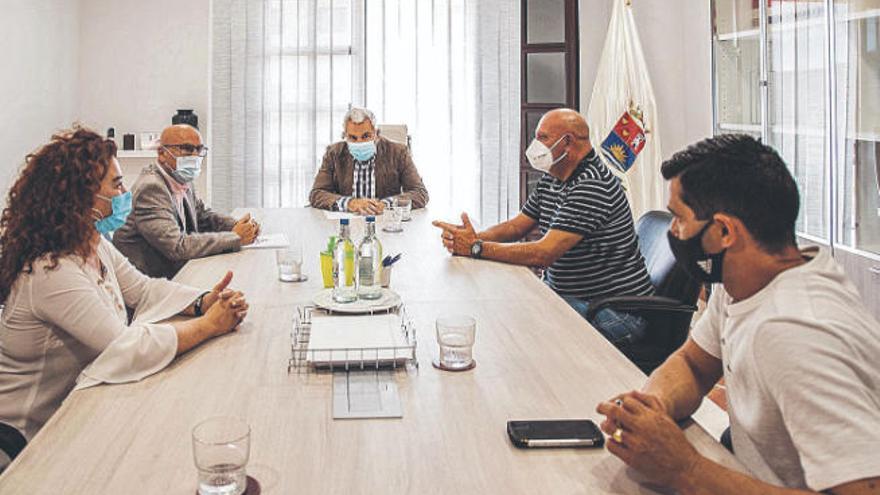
x=178 y=140
x=564 y=121
x=180 y=134
x=565 y=132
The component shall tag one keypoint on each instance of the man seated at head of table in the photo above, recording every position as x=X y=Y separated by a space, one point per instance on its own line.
x=66 y=288
x=365 y=172
x=588 y=242
x=169 y=225
x=785 y=328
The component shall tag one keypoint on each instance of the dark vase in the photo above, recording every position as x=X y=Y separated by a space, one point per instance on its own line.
x=186 y=117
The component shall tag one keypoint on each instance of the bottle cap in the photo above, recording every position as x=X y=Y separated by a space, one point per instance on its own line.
x=371 y=218
x=343 y=221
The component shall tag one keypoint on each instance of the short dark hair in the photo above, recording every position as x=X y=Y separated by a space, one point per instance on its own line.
x=738 y=175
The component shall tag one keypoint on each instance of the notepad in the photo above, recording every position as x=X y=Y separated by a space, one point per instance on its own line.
x=269 y=241
x=367 y=338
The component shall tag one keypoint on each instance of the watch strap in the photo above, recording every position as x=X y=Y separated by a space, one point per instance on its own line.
x=197 y=306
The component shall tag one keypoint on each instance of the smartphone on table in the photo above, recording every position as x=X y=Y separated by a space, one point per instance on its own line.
x=555 y=433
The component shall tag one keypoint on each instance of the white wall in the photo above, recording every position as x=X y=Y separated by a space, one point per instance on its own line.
x=141 y=61
x=675 y=39
x=38 y=77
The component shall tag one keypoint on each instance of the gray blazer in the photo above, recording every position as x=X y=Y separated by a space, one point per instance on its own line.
x=157 y=240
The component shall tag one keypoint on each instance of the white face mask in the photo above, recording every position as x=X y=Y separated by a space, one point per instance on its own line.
x=541 y=157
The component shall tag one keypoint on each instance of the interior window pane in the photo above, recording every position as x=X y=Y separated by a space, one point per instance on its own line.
x=857 y=55
x=545 y=21
x=737 y=47
x=545 y=77
x=532 y=119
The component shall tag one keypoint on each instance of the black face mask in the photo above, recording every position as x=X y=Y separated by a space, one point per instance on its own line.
x=696 y=262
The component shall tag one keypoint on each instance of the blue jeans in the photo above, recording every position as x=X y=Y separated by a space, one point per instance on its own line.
x=617 y=327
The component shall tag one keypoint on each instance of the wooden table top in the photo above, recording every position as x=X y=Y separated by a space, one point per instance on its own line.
x=536 y=358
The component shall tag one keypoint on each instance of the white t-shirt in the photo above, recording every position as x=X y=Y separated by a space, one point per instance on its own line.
x=802 y=368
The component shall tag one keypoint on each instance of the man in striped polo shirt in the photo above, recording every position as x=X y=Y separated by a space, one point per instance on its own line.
x=588 y=244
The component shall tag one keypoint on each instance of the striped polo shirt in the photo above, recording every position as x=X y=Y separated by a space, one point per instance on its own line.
x=591 y=203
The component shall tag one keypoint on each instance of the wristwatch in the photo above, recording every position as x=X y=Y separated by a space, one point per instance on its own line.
x=197 y=306
x=477 y=249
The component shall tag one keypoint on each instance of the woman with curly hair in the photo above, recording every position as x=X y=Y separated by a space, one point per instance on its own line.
x=66 y=289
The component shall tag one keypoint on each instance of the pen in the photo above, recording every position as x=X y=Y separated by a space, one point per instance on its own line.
x=390 y=260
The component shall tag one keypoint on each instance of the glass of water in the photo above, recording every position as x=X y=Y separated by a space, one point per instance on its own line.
x=221 y=447
x=455 y=335
x=290 y=261
x=405 y=205
x=392 y=219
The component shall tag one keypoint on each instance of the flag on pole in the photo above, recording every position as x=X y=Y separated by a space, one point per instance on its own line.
x=625 y=141
x=624 y=109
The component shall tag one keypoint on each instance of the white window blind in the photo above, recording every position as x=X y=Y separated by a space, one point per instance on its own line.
x=285 y=72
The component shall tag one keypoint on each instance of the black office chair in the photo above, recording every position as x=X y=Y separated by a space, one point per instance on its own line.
x=670 y=310
x=12 y=442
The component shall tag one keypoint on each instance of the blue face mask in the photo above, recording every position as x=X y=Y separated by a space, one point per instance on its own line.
x=121 y=208
x=188 y=169
x=362 y=151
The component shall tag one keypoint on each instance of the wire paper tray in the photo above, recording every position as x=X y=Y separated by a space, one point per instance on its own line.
x=347 y=358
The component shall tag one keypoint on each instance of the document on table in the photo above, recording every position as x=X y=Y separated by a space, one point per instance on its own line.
x=269 y=241
x=338 y=215
x=365 y=394
x=337 y=339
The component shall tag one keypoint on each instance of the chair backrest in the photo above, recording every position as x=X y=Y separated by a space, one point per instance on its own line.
x=397 y=133
x=669 y=279
x=12 y=442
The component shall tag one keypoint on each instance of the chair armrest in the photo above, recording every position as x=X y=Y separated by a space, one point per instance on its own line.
x=639 y=304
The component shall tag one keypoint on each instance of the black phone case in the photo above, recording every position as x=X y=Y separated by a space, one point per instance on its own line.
x=520 y=441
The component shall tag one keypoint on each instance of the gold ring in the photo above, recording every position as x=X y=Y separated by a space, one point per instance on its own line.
x=618 y=435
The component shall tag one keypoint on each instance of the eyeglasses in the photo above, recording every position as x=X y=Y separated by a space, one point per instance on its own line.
x=190 y=149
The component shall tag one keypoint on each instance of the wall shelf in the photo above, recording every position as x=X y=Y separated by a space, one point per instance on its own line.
x=136 y=154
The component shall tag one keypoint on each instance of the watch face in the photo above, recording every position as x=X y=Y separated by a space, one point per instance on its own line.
x=476 y=249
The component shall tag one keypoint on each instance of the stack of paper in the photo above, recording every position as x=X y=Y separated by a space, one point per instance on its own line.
x=367 y=338
x=269 y=241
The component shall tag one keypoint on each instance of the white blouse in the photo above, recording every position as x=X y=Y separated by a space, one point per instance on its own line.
x=67 y=328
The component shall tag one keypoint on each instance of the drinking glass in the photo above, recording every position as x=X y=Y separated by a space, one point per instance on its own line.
x=289 y=263
x=405 y=205
x=455 y=335
x=392 y=218
x=221 y=447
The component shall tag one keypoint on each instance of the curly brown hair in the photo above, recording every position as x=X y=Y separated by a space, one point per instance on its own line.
x=49 y=208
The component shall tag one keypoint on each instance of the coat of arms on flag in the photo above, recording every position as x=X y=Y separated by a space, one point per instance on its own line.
x=626 y=140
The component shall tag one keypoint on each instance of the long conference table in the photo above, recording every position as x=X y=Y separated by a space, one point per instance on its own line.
x=536 y=358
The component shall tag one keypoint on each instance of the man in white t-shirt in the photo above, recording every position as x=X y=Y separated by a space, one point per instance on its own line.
x=799 y=352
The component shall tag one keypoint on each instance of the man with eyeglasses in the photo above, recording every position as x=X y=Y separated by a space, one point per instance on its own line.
x=169 y=224
x=366 y=172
